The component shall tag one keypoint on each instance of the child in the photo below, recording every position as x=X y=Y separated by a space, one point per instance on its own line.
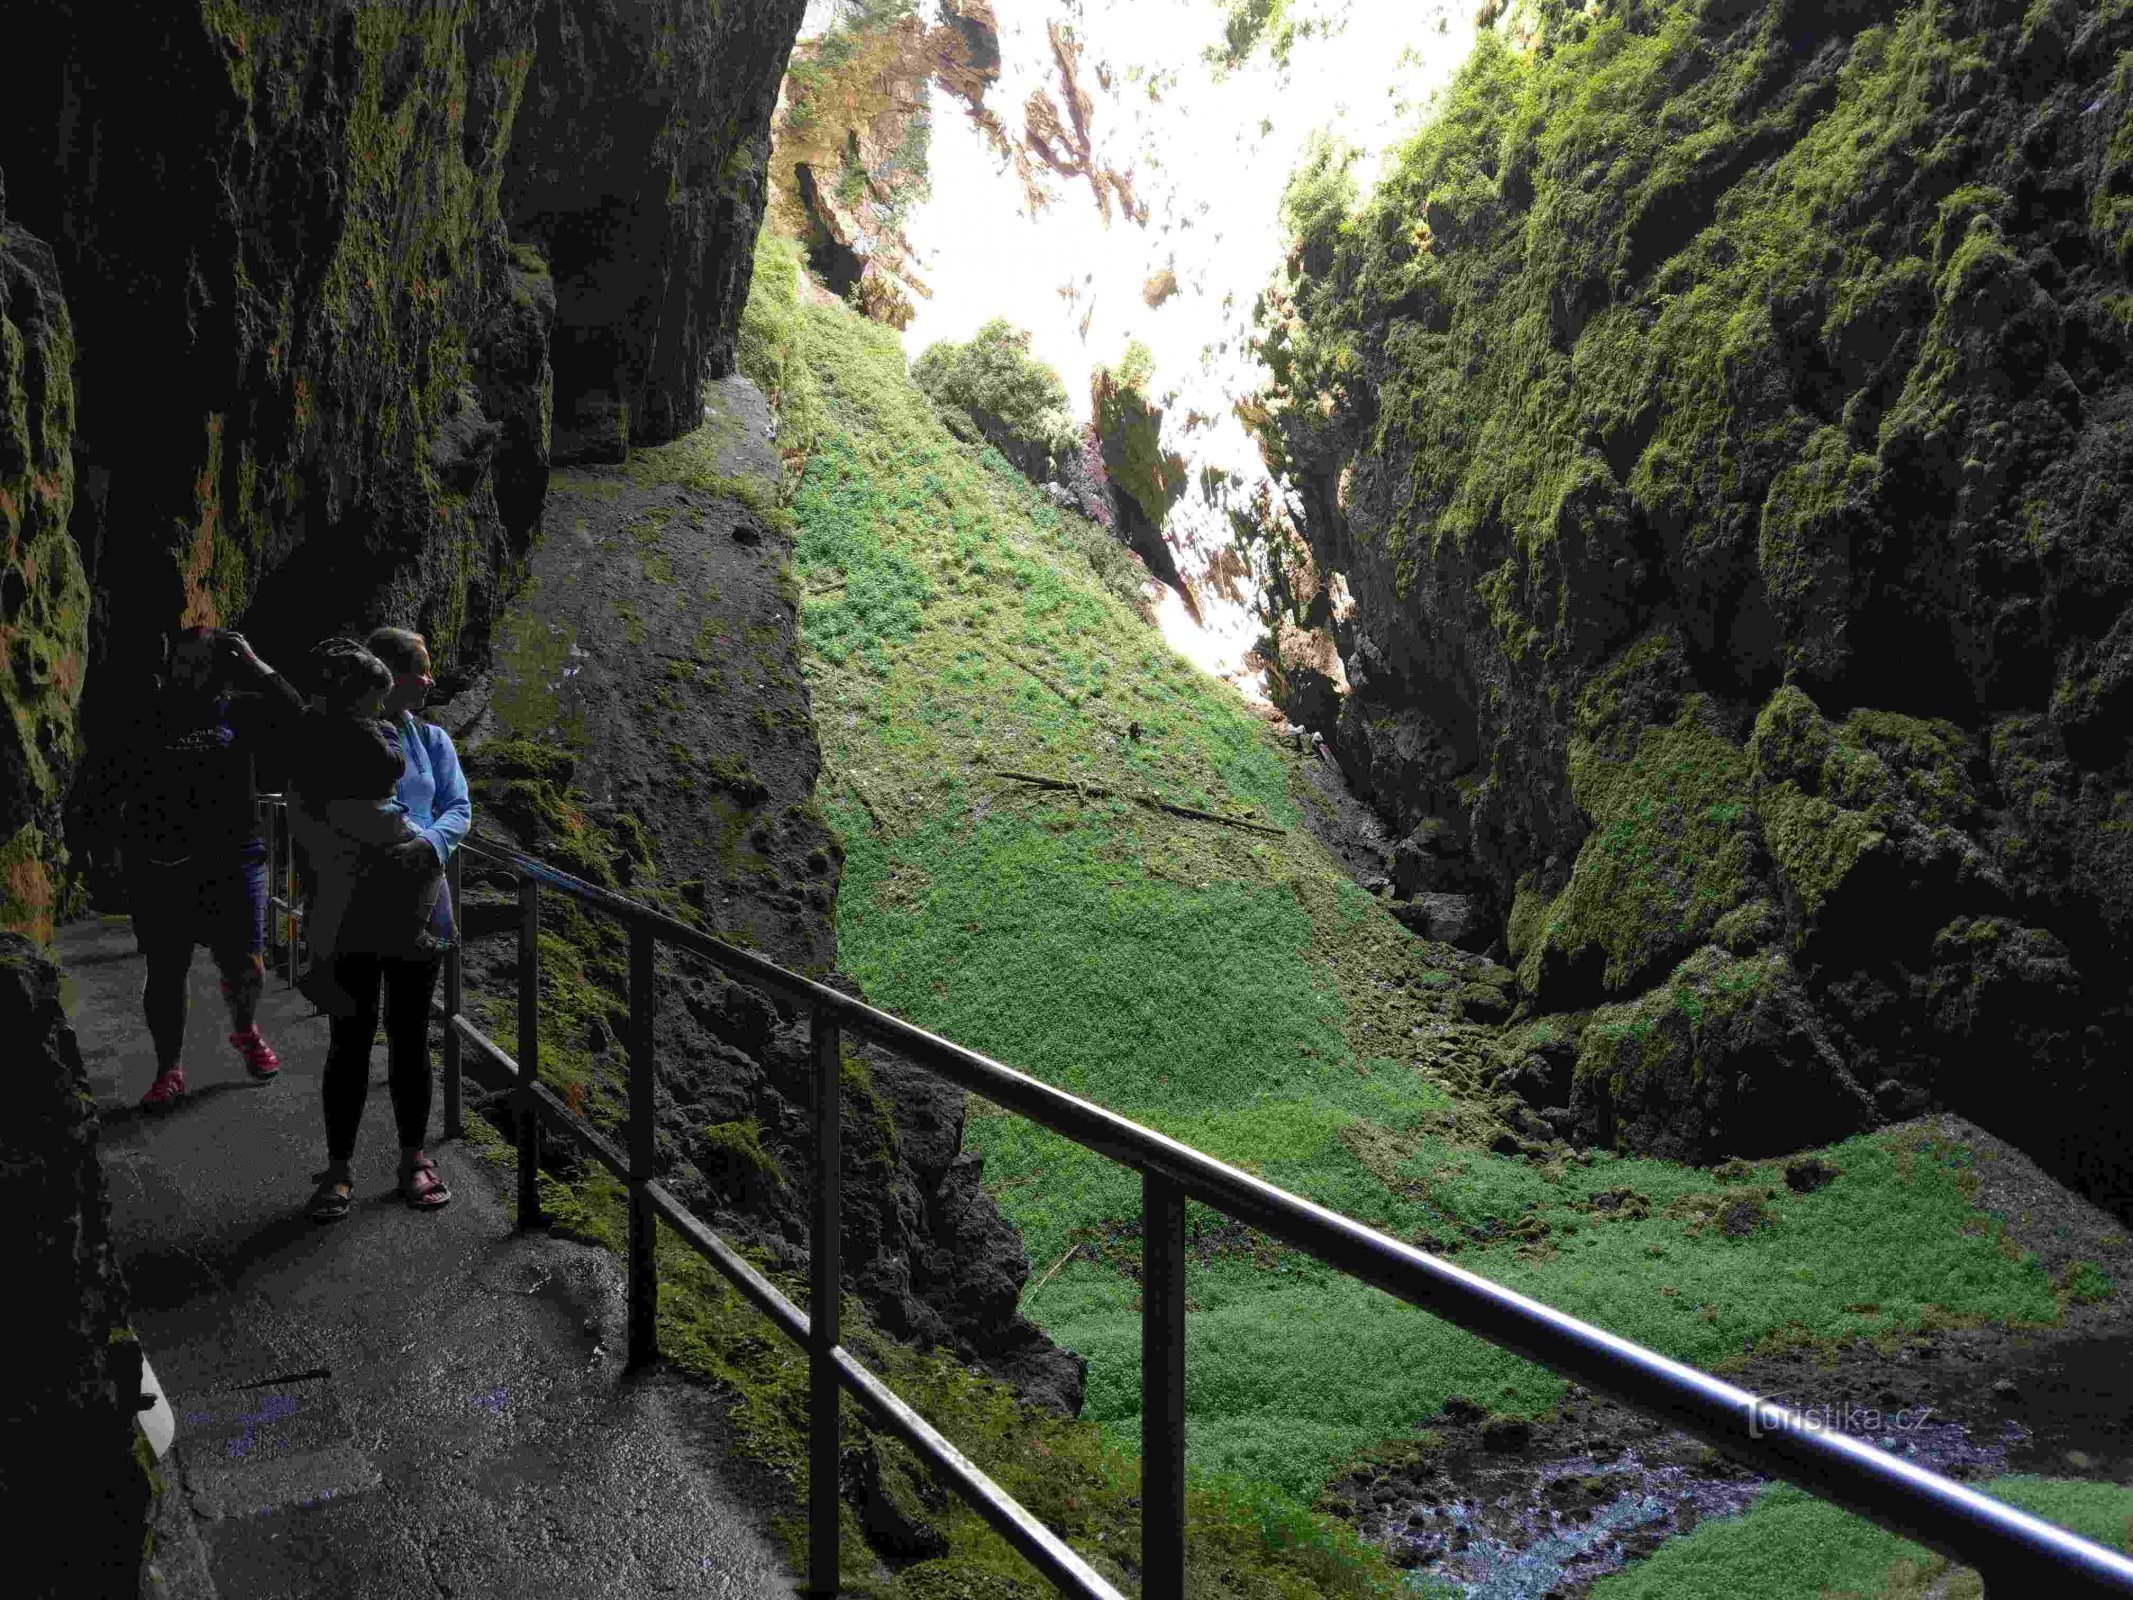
x=346 y=816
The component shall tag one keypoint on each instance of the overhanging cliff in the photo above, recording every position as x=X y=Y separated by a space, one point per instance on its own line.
x=637 y=168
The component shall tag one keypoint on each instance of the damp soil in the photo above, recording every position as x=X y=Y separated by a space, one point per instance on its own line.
x=1506 y=1508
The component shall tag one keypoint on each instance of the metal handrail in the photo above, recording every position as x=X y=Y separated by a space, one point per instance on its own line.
x=284 y=906
x=2009 y=1547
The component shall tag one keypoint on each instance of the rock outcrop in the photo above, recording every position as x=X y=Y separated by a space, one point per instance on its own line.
x=1125 y=428
x=44 y=599
x=648 y=726
x=993 y=391
x=1737 y=528
x=71 y=1458
x=74 y=1459
x=854 y=126
x=637 y=169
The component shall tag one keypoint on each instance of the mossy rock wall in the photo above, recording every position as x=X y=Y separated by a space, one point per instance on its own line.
x=44 y=599
x=1719 y=414
x=312 y=373
x=638 y=170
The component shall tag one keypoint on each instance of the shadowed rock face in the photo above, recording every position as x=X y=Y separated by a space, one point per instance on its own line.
x=44 y=601
x=1806 y=645
x=70 y=1430
x=647 y=725
x=312 y=373
x=637 y=168
x=70 y=1446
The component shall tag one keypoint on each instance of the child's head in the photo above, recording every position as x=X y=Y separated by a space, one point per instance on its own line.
x=351 y=679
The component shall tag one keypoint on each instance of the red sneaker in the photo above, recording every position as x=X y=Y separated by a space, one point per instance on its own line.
x=259 y=1057
x=165 y=1092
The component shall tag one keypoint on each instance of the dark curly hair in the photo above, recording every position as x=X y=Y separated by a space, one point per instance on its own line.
x=345 y=672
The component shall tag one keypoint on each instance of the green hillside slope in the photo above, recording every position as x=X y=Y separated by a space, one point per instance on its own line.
x=1234 y=989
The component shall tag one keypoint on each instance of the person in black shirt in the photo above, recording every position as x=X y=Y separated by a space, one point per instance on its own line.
x=195 y=861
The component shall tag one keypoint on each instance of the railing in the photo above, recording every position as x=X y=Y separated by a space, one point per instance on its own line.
x=285 y=915
x=2018 y=1554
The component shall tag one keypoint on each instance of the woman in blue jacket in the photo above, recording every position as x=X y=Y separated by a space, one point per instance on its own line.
x=374 y=952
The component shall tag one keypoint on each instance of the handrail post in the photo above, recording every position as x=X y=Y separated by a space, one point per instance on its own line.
x=454 y=998
x=288 y=890
x=1162 y=1388
x=529 y=1052
x=824 y=1280
x=643 y=1266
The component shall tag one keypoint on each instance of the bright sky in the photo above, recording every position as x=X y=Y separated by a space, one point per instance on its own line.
x=1209 y=160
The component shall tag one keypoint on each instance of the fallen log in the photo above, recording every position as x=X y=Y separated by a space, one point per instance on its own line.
x=851 y=782
x=1139 y=799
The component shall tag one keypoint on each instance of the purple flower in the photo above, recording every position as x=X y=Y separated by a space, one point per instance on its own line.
x=2092 y=107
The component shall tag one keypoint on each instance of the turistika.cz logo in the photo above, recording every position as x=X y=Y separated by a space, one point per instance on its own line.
x=1842 y=1416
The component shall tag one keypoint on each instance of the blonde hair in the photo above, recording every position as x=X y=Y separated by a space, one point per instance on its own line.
x=396 y=647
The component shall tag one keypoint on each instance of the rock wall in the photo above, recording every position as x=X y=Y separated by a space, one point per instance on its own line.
x=70 y=1457
x=313 y=377
x=638 y=170
x=44 y=599
x=73 y=1458
x=1719 y=417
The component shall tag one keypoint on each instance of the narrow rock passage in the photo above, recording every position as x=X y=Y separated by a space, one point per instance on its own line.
x=472 y=1434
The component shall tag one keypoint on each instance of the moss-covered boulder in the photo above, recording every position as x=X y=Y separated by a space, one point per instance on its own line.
x=1717 y=415
x=44 y=599
x=1872 y=823
x=1726 y=1058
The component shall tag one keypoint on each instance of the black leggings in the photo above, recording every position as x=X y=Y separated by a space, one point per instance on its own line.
x=408 y=987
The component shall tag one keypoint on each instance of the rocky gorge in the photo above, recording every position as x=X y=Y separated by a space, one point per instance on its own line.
x=1705 y=564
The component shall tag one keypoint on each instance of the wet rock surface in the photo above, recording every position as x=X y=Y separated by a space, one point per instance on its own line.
x=70 y=1459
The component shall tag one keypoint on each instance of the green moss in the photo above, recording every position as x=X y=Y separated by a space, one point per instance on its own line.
x=1131 y=423
x=733 y=774
x=742 y=1144
x=1667 y=855
x=527 y=785
x=2084 y=1283
x=531 y=655
x=772 y=345
x=1666 y=1028
x=1547 y=269
x=1828 y=795
x=29 y=867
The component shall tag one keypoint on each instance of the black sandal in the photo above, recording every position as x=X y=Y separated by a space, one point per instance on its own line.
x=330 y=1203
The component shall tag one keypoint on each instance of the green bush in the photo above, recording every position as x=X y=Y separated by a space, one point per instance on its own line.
x=994 y=378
